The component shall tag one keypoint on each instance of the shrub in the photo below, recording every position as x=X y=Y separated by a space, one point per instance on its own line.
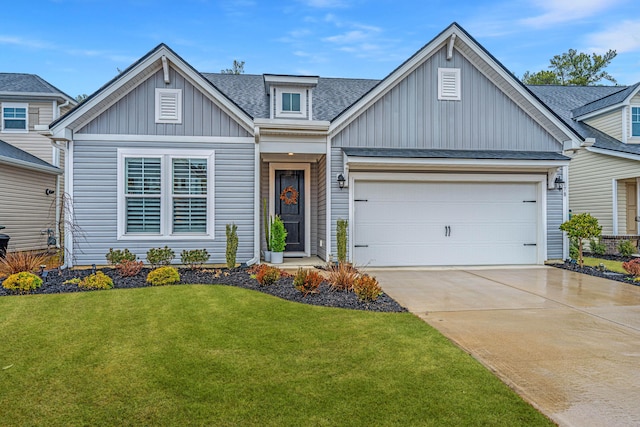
x=160 y=256
x=267 y=275
x=18 y=262
x=597 y=247
x=307 y=281
x=232 y=245
x=341 y=238
x=115 y=257
x=23 y=282
x=342 y=276
x=581 y=226
x=278 y=235
x=626 y=248
x=367 y=288
x=194 y=258
x=574 y=253
x=97 y=280
x=632 y=267
x=129 y=268
x=163 y=276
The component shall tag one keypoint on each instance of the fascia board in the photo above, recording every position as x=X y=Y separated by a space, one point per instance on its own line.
x=612 y=153
x=601 y=111
x=31 y=166
x=542 y=164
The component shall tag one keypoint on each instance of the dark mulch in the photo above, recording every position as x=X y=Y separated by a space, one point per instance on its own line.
x=237 y=277
x=593 y=271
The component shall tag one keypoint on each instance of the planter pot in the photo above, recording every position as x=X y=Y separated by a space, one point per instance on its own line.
x=267 y=256
x=276 y=257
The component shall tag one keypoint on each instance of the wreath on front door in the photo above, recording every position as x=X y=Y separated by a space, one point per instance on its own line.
x=289 y=196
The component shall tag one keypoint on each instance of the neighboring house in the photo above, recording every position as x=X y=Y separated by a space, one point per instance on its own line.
x=449 y=160
x=605 y=171
x=32 y=180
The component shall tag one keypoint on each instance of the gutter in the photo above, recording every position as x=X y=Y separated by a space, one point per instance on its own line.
x=28 y=165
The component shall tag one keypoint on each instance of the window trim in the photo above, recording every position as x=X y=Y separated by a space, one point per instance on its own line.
x=442 y=94
x=279 y=91
x=177 y=117
x=631 y=135
x=166 y=193
x=26 y=119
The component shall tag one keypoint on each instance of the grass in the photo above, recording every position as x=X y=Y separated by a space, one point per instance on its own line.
x=615 y=266
x=224 y=356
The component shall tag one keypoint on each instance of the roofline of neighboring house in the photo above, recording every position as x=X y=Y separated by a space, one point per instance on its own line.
x=128 y=70
x=623 y=103
x=38 y=95
x=29 y=165
x=614 y=153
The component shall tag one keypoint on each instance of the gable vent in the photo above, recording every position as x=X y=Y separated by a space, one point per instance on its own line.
x=168 y=106
x=449 y=84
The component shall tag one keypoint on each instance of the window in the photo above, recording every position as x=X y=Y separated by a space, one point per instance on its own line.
x=165 y=193
x=169 y=106
x=449 y=84
x=14 y=117
x=290 y=101
x=635 y=121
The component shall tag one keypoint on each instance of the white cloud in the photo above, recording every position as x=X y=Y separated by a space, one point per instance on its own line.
x=559 y=11
x=623 y=37
x=22 y=42
x=325 y=4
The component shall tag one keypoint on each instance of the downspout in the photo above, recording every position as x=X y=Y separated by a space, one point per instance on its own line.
x=59 y=196
x=56 y=162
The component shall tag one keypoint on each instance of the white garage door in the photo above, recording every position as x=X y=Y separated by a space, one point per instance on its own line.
x=443 y=223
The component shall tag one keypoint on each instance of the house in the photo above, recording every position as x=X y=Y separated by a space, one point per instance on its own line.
x=449 y=160
x=30 y=173
x=605 y=171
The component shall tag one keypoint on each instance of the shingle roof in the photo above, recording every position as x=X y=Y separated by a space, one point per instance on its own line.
x=330 y=97
x=28 y=83
x=564 y=100
x=10 y=152
x=607 y=101
x=453 y=154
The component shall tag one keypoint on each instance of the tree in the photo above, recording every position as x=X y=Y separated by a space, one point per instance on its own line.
x=573 y=68
x=581 y=226
x=238 y=68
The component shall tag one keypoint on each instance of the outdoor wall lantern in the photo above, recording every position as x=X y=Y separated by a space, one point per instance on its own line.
x=559 y=182
x=341 y=181
x=49 y=192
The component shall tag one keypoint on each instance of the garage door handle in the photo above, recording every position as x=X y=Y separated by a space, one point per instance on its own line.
x=447 y=231
x=361 y=246
x=530 y=244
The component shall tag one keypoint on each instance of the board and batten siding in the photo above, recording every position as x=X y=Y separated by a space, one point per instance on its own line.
x=339 y=200
x=40 y=113
x=609 y=123
x=322 y=208
x=555 y=237
x=25 y=210
x=134 y=114
x=411 y=116
x=95 y=200
x=591 y=186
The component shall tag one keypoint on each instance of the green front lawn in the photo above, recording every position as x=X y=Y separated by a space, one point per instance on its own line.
x=225 y=356
x=615 y=266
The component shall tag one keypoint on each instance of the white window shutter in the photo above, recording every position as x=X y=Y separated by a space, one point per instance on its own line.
x=169 y=106
x=449 y=84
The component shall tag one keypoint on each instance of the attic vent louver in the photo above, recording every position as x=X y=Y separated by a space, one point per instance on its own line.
x=169 y=106
x=449 y=84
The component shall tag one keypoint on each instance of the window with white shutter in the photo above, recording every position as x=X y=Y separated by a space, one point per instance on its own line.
x=449 y=84
x=169 y=106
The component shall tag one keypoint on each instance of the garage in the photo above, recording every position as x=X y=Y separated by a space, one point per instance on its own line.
x=422 y=223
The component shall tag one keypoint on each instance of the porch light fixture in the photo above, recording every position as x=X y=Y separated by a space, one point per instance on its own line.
x=49 y=192
x=559 y=183
x=341 y=181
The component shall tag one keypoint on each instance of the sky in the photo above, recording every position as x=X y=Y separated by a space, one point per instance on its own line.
x=79 y=45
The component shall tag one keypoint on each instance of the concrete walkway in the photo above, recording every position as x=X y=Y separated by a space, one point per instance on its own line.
x=568 y=343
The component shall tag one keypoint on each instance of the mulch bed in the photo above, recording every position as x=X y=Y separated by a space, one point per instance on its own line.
x=593 y=271
x=240 y=277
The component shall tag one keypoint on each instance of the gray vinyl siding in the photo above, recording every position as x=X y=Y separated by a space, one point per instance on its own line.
x=411 y=116
x=339 y=200
x=555 y=239
x=322 y=207
x=134 y=114
x=95 y=201
x=40 y=113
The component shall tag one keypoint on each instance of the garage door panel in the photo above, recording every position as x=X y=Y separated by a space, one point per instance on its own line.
x=444 y=223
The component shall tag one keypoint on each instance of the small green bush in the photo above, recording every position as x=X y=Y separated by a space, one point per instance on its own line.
x=118 y=256
x=194 y=258
x=581 y=226
x=160 y=256
x=597 y=247
x=97 y=280
x=626 y=248
x=163 y=276
x=232 y=245
x=574 y=251
x=278 y=235
x=367 y=288
x=341 y=238
x=307 y=281
x=23 y=282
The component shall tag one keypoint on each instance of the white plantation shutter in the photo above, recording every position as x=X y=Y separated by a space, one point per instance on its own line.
x=449 y=84
x=169 y=106
x=142 y=195
x=189 y=195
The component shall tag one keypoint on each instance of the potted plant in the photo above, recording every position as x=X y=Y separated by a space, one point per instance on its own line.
x=267 y=228
x=278 y=240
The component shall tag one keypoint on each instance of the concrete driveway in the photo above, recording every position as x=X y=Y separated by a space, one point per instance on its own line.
x=568 y=343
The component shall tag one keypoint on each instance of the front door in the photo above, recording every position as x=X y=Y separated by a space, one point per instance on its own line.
x=289 y=205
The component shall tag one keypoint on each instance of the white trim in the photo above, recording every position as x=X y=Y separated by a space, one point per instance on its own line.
x=614 y=210
x=637 y=203
x=90 y=137
x=452 y=91
x=565 y=211
x=165 y=195
x=173 y=96
x=279 y=113
x=539 y=179
x=257 y=208
x=31 y=166
x=486 y=163
x=23 y=105
x=612 y=153
x=329 y=219
x=630 y=126
x=626 y=101
x=626 y=113
x=306 y=167
x=69 y=211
